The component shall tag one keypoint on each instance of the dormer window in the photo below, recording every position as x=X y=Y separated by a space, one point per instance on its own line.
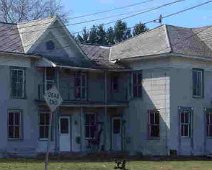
x=50 y=45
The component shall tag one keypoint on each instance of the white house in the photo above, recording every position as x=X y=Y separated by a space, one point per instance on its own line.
x=149 y=95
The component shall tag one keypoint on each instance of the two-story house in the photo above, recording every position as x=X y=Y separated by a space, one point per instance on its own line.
x=148 y=95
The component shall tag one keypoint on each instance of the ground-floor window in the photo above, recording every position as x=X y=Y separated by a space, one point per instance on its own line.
x=154 y=123
x=185 y=123
x=44 y=125
x=90 y=126
x=209 y=124
x=14 y=124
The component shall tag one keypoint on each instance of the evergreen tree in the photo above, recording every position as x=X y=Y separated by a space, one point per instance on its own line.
x=84 y=37
x=93 y=38
x=139 y=28
x=110 y=36
x=101 y=35
x=120 y=30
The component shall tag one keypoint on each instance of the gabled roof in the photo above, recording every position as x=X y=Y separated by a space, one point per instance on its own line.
x=166 y=39
x=10 y=40
x=31 y=31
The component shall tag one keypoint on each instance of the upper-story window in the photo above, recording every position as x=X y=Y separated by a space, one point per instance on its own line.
x=80 y=86
x=115 y=83
x=50 y=45
x=154 y=123
x=198 y=82
x=18 y=82
x=50 y=76
x=137 y=84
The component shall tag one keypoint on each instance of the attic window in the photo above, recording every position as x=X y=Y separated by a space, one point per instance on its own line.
x=50 y=45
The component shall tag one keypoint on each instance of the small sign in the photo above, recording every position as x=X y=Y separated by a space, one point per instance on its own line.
x=53 y=98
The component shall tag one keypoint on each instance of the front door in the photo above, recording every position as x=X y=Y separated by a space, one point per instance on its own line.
x=64 y=134
x=116 y=134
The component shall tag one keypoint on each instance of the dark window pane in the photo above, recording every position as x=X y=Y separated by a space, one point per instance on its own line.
x=10 y=131
x=11 y=118
x=64 y=126
x=157 y=117
x=17 y=118
x=92 y=131
x=154 y=131
x=17 y=132
x=116 y=126
x=152 y=120
x=186 y=114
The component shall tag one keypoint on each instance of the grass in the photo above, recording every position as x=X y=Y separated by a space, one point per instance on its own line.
x=13 y=164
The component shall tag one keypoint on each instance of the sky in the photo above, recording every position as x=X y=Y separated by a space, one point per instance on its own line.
x=198 y=17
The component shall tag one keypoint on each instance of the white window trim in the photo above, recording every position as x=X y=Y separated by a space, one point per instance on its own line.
x=20 y=126
x=185 y=124
x=150 y=124
x=201 y=83
x=23 y=82
x=43 y=139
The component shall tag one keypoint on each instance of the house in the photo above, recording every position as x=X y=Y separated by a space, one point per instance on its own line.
x=149 y=95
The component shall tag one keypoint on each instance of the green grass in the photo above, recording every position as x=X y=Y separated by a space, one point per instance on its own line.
x=13 y=164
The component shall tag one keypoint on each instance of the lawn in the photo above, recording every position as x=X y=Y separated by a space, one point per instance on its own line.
x=13 y=164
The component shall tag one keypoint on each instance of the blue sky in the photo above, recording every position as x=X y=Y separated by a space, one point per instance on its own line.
x=194 y=18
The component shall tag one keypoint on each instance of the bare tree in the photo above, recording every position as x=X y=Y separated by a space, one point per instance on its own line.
x=26 y=10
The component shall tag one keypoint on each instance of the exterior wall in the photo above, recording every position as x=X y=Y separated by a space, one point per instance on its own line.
x=181 y=96
x=155 y=95
x=26 y=106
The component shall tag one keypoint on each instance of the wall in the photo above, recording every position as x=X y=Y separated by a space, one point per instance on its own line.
x=181 y=96
x=155 y=95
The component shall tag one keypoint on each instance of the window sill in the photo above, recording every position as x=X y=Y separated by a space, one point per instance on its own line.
x=198 y=97
x=154 y=138
x=18 y=98
x=15 y=139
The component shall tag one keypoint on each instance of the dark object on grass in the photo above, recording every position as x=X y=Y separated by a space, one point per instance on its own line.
x=120 y=164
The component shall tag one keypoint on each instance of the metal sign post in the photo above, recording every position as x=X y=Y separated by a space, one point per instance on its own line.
x=53 y=100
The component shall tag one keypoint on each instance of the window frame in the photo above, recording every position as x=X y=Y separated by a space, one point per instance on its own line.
x=154 y=112
x=208 y=123
x=138 y=86
x=20 y=124
x=80 y=88
x=45 y=126
x=23 y=92
x=183 y=124
x=201 y=71
x=89 y=125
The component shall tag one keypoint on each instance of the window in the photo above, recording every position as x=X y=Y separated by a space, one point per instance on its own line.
x=137 y=84
x=185 y=123
x=209 y=124
x=17 y=82
x=50 y=75
x=90 y=126
x=114 y=83
x=50 y=45
x=80 y=86
x=14 y=125
x=154 y=123
x=198 y=83
x=44 y=125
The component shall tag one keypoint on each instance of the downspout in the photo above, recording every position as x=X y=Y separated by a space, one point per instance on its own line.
x=105 y=110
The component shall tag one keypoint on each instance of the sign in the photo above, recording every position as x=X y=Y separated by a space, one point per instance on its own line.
x=53 y=98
